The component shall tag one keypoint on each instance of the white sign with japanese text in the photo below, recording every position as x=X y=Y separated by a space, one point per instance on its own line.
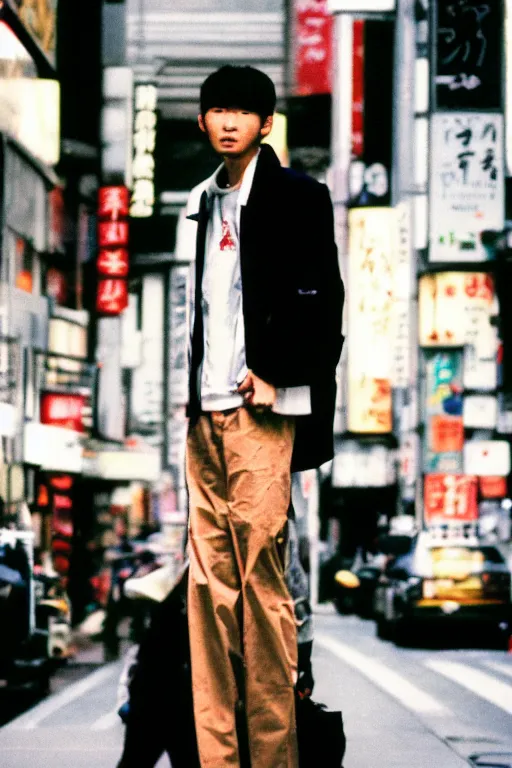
x=466 y=184
x=370 y=292
x=144 y=141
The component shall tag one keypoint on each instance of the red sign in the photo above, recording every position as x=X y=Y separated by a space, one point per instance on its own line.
x=112 y=234
x=113 y=259
x=113 y=203
x=314 y=32
x=450 y=498
x=493 y=487
x=358 y=88
x=113 y=262
x=57 y=219
x=447 y=433
x=62 y=410
x=112 y=296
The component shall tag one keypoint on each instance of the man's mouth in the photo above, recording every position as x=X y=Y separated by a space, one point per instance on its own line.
x=228 y=141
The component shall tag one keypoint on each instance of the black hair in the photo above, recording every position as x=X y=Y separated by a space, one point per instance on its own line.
x=243 y=87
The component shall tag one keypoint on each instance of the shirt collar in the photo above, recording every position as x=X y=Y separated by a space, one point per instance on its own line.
x=246 y=185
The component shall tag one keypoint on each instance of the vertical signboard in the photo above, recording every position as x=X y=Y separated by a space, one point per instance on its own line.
x=371 y=262
x=467 y=184
x=358 y=88
x=444 y=433
x=113 y=239
x=313 y=53
x=468 y=54
x=142 y=202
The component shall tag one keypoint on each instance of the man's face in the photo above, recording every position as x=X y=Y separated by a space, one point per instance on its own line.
x=234 y=132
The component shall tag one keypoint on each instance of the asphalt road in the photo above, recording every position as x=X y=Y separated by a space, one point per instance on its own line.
x=422 y=707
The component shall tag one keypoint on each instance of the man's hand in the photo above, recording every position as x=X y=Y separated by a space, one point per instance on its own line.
x=257 y=392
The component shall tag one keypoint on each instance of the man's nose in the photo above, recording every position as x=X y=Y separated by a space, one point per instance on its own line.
x=229 y=122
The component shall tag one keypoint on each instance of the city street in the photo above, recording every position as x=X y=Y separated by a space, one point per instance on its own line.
x=402 y=707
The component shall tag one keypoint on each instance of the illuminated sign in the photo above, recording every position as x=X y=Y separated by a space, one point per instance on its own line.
x=113 y=258
x=63 y=410
x=112 y=296
x=371 y=327
x=143 y=162
x=113 y=262
x=30 y=112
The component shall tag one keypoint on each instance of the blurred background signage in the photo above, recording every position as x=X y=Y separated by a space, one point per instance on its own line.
x=313 y=40
x=468 y=54
x=456 y=309
x=450 y=499
x=444 y=422
x=144 y=142
x=356 y=465
x=29 y=112
x=487 y=458
x=113 y=240
x=371 y=274
x=467 y=190
x=63 y=410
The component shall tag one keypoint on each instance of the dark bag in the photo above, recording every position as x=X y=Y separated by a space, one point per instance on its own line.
x=320 y=735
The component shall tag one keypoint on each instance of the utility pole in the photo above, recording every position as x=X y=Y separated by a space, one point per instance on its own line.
x=402 y=195
x=341 y=141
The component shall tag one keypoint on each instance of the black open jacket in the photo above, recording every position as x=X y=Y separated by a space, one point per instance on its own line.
x=292 y=296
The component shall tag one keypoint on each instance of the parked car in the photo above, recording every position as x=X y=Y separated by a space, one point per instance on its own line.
x=441 y=581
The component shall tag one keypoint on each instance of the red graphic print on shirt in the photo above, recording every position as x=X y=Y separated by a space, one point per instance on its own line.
x=227 y=243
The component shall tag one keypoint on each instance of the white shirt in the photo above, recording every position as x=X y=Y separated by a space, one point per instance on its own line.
x=224 y=365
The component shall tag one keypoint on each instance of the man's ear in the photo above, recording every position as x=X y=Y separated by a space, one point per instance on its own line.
x=267 y=126
x=200 y=120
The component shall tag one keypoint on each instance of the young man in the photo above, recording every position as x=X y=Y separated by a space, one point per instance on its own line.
x=266 y=338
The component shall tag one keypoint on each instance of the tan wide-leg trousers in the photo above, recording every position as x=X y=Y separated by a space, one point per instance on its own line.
x=239 y=609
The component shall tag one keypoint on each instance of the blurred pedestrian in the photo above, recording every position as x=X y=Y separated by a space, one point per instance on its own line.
x=265 y=312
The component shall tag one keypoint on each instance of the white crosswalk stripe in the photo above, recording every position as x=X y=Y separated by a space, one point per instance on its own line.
x=385 y=678
x=480 y=683
x=501 y=667
x=105 y=722
x=32 y=719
